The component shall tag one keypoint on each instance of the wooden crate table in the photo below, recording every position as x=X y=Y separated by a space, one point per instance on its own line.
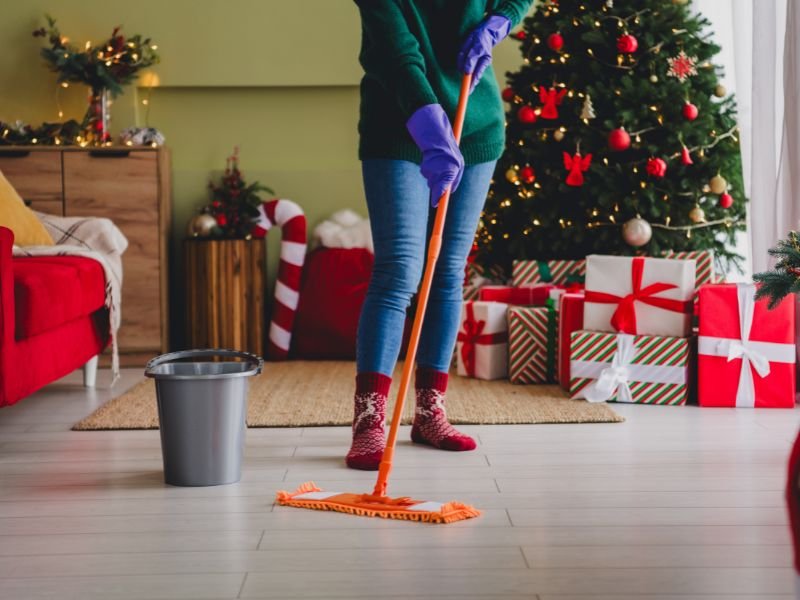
x=225 y=294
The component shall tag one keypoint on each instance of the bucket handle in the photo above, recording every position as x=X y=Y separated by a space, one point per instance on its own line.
x=198 y=353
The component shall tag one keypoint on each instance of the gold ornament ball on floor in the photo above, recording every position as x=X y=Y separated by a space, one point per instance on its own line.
x=201 y=225
x=718 y=184
x=720 y=91
x=512 y=176
x=558 y=135
x=637 y=232
x=697 y=215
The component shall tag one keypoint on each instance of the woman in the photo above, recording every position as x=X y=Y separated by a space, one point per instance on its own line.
x=414 y=53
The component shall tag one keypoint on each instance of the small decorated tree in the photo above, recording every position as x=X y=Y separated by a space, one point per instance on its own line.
x=234 y=205
x=620 y=138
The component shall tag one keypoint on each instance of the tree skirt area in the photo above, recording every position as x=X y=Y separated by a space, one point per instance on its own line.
x=315 y=393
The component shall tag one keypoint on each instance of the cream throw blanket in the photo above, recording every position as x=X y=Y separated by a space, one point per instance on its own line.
x=95 y=238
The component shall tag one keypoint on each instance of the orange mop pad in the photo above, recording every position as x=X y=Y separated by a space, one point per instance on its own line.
x=378 y=504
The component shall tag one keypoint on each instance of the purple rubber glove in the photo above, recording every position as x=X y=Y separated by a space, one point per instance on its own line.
x=442 y=163
x=476 y=52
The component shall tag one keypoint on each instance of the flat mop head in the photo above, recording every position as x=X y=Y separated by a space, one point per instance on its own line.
x=366 y=505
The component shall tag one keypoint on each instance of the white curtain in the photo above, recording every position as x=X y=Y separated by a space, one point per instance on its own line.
x=767 y=67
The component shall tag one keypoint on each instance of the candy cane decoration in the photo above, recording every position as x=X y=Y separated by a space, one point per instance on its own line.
x=290 y=218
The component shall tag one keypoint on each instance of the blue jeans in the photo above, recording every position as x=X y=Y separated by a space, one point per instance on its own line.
x=401 y=218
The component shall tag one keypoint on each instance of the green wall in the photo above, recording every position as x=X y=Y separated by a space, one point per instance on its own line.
x=279 y=79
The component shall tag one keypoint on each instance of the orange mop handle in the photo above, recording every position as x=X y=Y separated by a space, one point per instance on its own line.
x=434 y=246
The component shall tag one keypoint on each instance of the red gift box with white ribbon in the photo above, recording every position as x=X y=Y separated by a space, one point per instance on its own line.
x=746 y=352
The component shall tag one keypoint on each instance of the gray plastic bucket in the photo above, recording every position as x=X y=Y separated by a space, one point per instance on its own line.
x=201 y=408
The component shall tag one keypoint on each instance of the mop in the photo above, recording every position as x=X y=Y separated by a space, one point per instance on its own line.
x=378 y=504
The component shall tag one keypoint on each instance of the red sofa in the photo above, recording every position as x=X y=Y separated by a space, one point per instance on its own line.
x=52 y=319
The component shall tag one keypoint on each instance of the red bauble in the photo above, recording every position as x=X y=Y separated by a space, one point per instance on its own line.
x=619 y=140
x=508 y=94
x=627 y=44
x=690 y=111
x=726 y=200
x=555 y=41
x=526 y=115
x=527 y=174
x=520 y=35
x=656 y=167
x=222 y=219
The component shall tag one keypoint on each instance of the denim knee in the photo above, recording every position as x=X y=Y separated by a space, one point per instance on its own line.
x=398 y=277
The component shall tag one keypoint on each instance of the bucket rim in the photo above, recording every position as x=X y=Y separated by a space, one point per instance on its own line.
x=256 y=362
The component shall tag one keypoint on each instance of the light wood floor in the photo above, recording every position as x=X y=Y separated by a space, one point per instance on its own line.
x=676 y=503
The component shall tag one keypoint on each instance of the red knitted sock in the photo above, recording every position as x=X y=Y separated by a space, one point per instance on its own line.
x=369 y=420
x=431 y=426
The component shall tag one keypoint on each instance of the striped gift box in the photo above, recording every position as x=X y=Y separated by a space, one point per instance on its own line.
x=526 y=272
x=644 y=369
x=532 y=346
x=476 y=277
x=704 y=261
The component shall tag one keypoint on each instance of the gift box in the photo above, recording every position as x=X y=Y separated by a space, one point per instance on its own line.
x=570 y=319
x=746 y=352
x=533 y=343
x=527 y=272
x=528 y=295
x=639 y=295
x=618 y=367
x=482 y=343
x=476 y=277
x=704 y=265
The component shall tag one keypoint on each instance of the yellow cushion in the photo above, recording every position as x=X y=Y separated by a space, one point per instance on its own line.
x=28 y=230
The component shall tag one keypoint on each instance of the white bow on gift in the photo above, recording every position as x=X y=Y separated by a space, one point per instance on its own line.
x=614 y=378
x=757 y=355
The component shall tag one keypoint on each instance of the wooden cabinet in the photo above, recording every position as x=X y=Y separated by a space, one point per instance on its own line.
x=130 y=187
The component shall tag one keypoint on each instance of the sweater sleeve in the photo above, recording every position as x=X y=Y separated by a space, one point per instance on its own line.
x=386 y=26
x=514 y=10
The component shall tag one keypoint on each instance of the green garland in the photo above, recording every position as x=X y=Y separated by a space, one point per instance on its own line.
x=47 y=134
x=784 y=279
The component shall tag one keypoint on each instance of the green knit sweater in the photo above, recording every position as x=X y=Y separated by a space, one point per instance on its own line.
x=409 y=50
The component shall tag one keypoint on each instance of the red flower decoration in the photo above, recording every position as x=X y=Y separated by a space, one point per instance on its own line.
x=656 y=167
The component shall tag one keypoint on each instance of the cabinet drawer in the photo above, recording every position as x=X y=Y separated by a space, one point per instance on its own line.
x=36 y=175
x=124 y=188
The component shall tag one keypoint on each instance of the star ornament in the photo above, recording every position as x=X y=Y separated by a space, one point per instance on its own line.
x=682 y=67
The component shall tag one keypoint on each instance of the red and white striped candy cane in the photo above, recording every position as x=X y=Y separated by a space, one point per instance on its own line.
x=290 y=218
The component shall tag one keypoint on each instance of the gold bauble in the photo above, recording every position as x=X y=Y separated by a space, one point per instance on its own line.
x=697 y=215
x=558 y=135
x=653 y=78
x=512 y=175
x=720 y=91
x=201 y=225
x=718 y=184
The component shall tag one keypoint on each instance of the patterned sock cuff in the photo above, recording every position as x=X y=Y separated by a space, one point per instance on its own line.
x=378 y=383
x=431 y=379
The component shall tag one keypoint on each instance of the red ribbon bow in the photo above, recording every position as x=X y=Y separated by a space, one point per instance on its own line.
x=624 y=318
x=472 y=335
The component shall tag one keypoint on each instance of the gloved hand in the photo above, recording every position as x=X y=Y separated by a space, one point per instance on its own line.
x=476 y=52
x=442 y=163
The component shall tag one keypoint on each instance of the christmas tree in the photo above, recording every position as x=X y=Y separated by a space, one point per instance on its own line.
x=620 y=138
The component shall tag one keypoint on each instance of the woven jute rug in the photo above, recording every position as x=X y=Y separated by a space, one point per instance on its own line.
x=300 y=394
